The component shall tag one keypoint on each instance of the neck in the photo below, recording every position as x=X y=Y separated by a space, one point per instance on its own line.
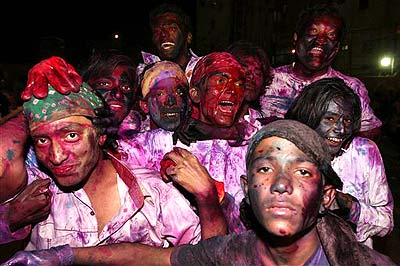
x=307 y=74
x=103 y=173
x=183 y=58
x=294 y=251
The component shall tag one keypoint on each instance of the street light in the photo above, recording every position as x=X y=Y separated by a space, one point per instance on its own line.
x=387 y=62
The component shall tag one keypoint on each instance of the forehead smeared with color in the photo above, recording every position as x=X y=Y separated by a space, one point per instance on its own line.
x=57 y=106
x=212 y=63
x=306 y=139
x=160 y=71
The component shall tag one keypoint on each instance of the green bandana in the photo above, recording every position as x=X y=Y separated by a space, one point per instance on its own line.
x=57 y=106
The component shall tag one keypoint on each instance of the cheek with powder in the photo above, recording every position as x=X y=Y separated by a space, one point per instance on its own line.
x=312 y=201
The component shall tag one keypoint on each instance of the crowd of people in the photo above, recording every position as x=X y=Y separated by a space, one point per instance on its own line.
x=185 y=159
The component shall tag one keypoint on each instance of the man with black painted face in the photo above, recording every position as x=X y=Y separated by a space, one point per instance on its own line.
x=172 y=36
x=288 y=188
x=317 y=37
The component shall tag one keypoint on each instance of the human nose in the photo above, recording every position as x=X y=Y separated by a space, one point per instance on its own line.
x=171 y=100
x=339 y=125
x=322 y=38
x=57 y=153
x=282 y=184
x=116 y=92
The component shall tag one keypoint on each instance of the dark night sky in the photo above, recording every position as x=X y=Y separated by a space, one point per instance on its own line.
x=78 y=25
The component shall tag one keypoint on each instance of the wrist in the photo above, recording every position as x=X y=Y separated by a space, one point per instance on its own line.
x=64 y=254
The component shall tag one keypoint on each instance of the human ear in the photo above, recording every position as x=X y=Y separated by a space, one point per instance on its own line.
x=189 y=38
x=245 y=187
x=102 y=140
x=194 y=94
x=144 y=106
x=328 y=196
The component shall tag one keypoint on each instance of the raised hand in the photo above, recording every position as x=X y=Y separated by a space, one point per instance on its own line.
x=32 y=205
x=53 y=71
x=183 y=168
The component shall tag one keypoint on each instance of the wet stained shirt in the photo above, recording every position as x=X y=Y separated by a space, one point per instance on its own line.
x=361 y=169
x=285 y=88
x=147 y=215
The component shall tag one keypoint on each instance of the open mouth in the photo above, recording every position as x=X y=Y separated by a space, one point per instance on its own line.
x=317 y=51
x=226 y=106
x=334 y=141
x=171 y=115
x=167 y=45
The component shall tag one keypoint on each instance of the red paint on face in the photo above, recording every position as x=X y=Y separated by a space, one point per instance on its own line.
x=291 y=185
x=319 y=44
x=68 y=148
x=223 y=96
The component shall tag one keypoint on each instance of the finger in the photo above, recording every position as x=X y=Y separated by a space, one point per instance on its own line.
x=40 y=87
x=186 y=154
x=75 y=78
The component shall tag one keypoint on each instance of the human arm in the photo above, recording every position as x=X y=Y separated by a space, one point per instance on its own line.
x=376 y=210
x=129 y=254
x=362 y=169
x=188 y=172
x=14 y=136
x=32 y=205
x=114 y=254
x=53 y=71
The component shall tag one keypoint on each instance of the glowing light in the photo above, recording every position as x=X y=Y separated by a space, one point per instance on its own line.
x=116 y=36
x=293 y=51
x=386 y=61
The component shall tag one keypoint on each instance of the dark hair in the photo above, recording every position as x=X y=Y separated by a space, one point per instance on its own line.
x=316 y=10
x=243 y=48
x=102 y=63
x=311 y=105
x=183 y=17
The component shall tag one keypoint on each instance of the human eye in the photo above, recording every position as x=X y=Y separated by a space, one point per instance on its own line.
x=264 y=169
x=303 y=173
x=160 y=93
x=239 y=83
x=103 y=84
x=126 y=88
x=332 y=35
x=179 y=92
x=347 y=121
x=329 y=118
x=312 y=30
x=41 y=142
x=72 y=137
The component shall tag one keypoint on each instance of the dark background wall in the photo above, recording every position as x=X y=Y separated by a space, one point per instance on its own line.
x=35 y=30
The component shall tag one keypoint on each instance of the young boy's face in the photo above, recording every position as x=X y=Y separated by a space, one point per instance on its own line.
x=69 y=148
x=336 y=126
x=284 y=187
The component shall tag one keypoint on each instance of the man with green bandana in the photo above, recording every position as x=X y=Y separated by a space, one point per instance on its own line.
x=96 y=198
x=288 y=188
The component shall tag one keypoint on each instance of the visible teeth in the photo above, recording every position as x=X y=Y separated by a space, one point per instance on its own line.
x=167 y=45
x=171 y=114
x=318 y=49
x=226 y=103
x=334 y=139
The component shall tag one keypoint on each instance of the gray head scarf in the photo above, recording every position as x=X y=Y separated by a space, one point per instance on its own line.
x=305 y=139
